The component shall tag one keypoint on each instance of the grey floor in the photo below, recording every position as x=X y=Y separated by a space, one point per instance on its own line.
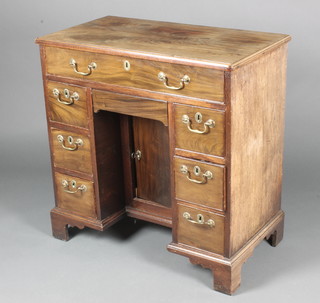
x=129 y=262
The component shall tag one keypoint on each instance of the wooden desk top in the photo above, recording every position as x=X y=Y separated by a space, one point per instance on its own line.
x=164 y=41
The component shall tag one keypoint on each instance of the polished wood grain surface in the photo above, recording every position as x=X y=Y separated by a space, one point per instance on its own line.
x=108 y=164
x=204 y=83
x=221 y=47
x=153 y=169
x=212 y=142
x=256 y=144
x=210 y=194
x=201 y=236
x=82 y=203
x=130 y=105
x=77 y=160
x=74 y=114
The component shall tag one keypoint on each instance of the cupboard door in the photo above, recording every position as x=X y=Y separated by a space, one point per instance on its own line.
x=151 y=149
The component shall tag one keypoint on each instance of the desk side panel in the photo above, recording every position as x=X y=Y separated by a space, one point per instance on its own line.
x=256 y=150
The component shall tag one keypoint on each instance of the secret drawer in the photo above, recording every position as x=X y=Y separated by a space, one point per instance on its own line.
x=200 y=130
x=75 y=195
x=178 y=79
x=200 y=183
x=201 y=229
x=71 y=151
x=67 y=104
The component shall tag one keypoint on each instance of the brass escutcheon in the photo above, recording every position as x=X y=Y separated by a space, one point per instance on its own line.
x=198 y=117
x=126 y=65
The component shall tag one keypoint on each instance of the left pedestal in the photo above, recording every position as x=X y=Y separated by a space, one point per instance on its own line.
x=86 y=194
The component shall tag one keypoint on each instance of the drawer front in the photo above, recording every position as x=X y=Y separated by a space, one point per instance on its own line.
x=200 y=183
x=200 y=130
x=204 y=83
x=201 y=229
x=75 y=194
x=130 y=105
x=67 y=104
x=71 y=151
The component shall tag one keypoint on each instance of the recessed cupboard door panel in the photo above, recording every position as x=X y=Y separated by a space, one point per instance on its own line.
x=151 y=156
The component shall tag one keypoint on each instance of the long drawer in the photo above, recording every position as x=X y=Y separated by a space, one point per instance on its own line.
x=177 y=79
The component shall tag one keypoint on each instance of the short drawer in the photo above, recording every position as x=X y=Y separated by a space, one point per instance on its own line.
x=200 y=183
x=75 y=194
x=177 y=79
x=201 y=229
x=71 y=151
x=67 y=104
x=200 y=130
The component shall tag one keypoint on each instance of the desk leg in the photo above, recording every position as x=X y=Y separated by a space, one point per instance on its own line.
x=227 y=278
x=275 y=238
x=59 y=227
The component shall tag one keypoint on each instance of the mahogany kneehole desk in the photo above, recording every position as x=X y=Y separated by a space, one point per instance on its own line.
x=179 y=125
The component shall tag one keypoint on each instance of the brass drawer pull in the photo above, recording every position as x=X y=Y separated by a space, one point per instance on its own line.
x=184 y=80
x=73 y=184
x=200 y=220
x=91 y=67
x=207 y=125
x=66 y=93
x=71 y=141
x=207 y=175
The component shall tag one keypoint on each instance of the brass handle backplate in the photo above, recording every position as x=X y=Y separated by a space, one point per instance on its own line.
x=74 y=144
x=207 y=175
x=184 y=80
x=200 y=220
x=198 y=117
x=73 y=185
x=91 y=67
x=72 y=97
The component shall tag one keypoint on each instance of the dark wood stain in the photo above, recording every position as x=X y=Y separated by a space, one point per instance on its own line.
x=153 y=175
